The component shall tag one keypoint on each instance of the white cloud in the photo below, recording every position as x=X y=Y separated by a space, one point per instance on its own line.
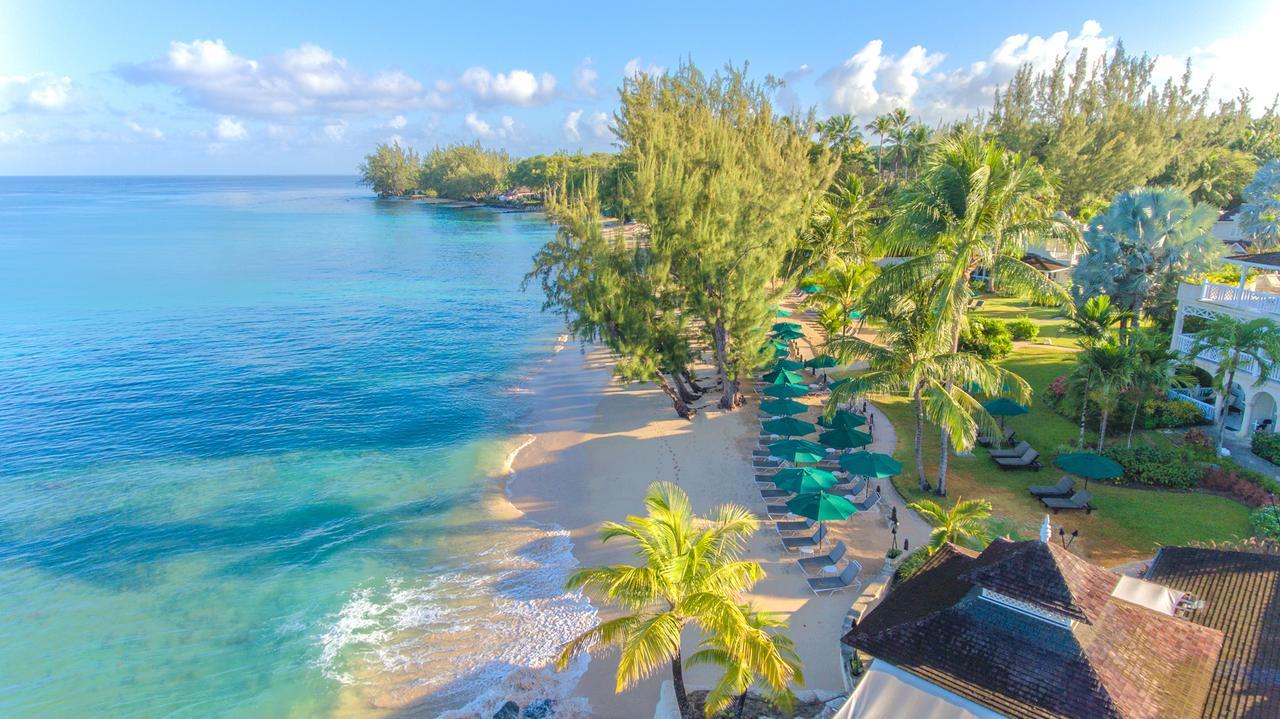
x=336 y=131
x=585 y=76
x=518 y=87
x=230 y=129
x=303 y=80
x=398 y=122
x=635 y=67
x=12 y=137
x=150 y=133
x=484 y=131
x=786 y=97
x=599 y=125
x=43 y=91
x=1246 y=60
x=570 y=126
x=872 y=82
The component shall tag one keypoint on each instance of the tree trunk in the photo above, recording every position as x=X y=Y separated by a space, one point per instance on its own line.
x=1226 y=400
x=1133 y=422
x=682 y=408
x=742 y=704
x=944 y=459
x=732 y=397
x=1084 y=405
x=693 y=383
x=677 y=681
x=681 y=389
x=920 y=473
x=1102 y=427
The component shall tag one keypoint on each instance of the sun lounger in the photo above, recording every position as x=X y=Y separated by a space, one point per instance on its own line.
x=834 y=584
x=764 y=463
x=809 y=565
x=795 y=543
x=1063 y=488
x=798 y=525
x=1029 y=460
x=774 y=493
x=1079 y=500
x=1017 y=451
x=985 y=441
x=777 y=511
x=849 y=489
x=872 y=500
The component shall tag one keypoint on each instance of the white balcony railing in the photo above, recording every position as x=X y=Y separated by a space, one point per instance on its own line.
x=1183 y=343
x=1239 y=298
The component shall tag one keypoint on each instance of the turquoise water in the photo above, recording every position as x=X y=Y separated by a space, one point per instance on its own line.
x=245 y=430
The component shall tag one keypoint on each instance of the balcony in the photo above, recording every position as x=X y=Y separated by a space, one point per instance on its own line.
x=1240 y=298
x=1183 y=343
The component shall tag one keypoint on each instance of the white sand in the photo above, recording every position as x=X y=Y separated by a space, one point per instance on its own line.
x=599 y=445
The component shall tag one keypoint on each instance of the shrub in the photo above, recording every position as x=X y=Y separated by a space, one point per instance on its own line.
x=977 y=287
x=1265 y=522
x=1238 y=484
x=1155 y=466
x=1169 y=413
x=1199 y=444
x=1058 y=388
x=910 y=565
x=989 y=339
x=1023 y=329
x=1267 y=446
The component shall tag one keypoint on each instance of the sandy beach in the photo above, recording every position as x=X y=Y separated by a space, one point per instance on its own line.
x=599 y=444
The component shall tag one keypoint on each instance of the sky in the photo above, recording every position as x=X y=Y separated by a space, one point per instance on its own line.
x=308 y=88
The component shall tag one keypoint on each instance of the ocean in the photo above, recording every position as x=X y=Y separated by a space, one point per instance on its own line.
x=251 y=438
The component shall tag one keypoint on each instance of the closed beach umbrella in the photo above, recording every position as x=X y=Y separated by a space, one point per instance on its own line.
x=784 y=376
x=845 y=439
x=842 y=419
x=786 y=391
x=800 y=480
x=779 y=407
x=1089 y=465
x=797 y=450
x=789 y=364
x=812 y=288
x=789 y=335
x=779 y=312
x=784 y=326
x=788 y=427
x=870 y=464
x=821 y=507
x=821 y=362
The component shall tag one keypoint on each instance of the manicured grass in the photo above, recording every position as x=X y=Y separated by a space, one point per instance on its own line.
x=1129 y=524
x=1052 y=324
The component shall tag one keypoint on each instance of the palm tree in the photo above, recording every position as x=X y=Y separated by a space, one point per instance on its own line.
x=687 y=575
x=974 y=205
x=910 y=359
x=1252 y=346
x=881 y=127
x=841 y=284
x=743 y=669
x=841 y=228
x=899 y=122
x=1156 y=368
x=917 y=141
x=962 y=524
x=1096 y=319
x=1109 y=368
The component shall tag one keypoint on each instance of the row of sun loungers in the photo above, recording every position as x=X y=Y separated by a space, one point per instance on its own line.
x=1029 y=459
x=985 y=441
x=1062 y=495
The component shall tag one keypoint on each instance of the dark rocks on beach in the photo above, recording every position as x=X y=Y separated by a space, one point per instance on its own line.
x=540 y=709
x=510 y=710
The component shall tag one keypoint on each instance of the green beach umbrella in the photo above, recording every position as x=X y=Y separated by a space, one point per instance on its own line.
x=870 y=464
x=788 y=427
x=1004 y=407
x=786 y=391
x=780 y=352
x=778 y=407
x=797 y=450
x=789 y=335
x=1088 y=465
x=812 y=288
x=789 y=364
x=855 y=314
x=842 y=419
x=779 y=312
x=784 y=326
x=800 y=480
x=845 y=439
x=784 y=376
x=822 y=507
x=821 y=362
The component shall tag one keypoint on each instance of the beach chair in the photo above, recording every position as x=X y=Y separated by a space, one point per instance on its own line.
x=798 y=525
x=1029 y=460
x=872 y=500
x=765 y=463
x=1017 y=451
x=774 y=493
x=1079 y=500
x=1063 y=488
x=849 y=489
x=809 y=565
x=777 y=511
x=794 y=544
x=986 y=441
x=834 y=584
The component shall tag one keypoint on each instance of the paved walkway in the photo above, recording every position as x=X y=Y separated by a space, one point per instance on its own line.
x=1242 y=455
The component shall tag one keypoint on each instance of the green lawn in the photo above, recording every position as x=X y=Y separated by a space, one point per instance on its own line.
x=1129 y=523
x=1052 y=324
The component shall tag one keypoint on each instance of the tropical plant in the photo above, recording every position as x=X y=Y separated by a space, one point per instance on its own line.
x=840 y=231
x=464 y=171
x=1259 y=216
x=743 y=670
x=1102 y=373
x=1096 y=319
x=881 y=127
x=391 y=169
x=1154 y=369
x=690 y=572
x=841 y=285
x=963 y=523
x=1234 y=345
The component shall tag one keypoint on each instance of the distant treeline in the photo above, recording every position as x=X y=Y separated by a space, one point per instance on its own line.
x=471 y=172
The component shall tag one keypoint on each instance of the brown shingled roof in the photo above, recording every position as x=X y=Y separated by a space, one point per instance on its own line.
x=1241 y=593
x=1128 y=662
x=1049 y=576
x=1259 y=258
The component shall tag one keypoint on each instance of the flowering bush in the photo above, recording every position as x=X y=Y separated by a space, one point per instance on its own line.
x=1058 y=388
x=1237 y=484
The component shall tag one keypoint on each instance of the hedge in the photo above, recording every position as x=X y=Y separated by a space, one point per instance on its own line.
x=1267 y=446
x=1156 y=466
x=1023 y=329
x=987 y=338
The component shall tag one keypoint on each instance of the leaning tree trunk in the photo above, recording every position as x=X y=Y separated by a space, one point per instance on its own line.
x=682 y=389
x=920 y=472
x=677 y=681
x=1084 y=405
x=742 y=705
x=1102 y=427
x=1133 y=422
x=732 y=397
x=682 y=408
x=944 y=459
x=692 y=381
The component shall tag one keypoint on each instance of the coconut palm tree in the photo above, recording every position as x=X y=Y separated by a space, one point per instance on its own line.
x=881 y=127
x=974 y=205
x=841 y=229
x=841 y=284
x=743 y=669
x=899 y=123
x=1111 y=368
x=690 y=573
x=1156 y=368
x=964 y=523
x=1096 y=319
x=1252 y=346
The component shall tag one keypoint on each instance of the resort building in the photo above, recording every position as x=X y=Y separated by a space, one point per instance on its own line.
x=1250 y=406
x=1028 y=630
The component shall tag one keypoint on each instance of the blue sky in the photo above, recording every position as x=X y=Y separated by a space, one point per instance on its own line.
x=287 y=88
